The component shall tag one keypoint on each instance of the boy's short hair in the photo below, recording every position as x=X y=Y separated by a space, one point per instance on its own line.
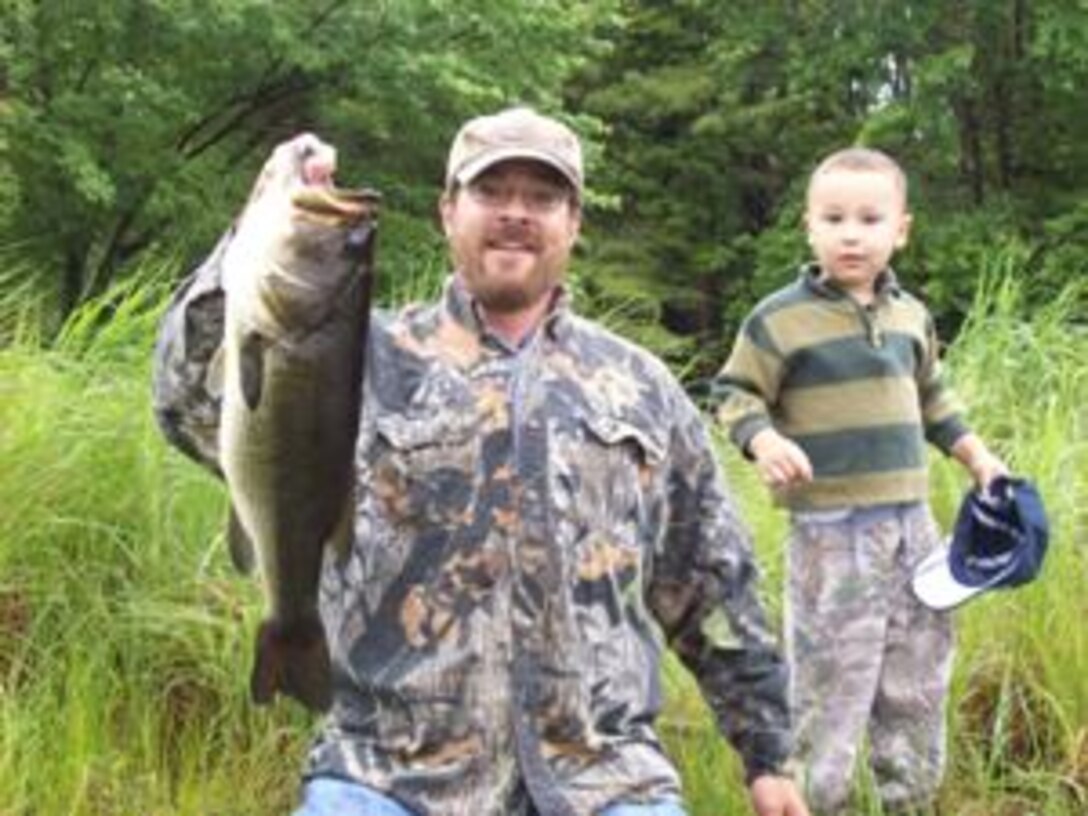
x=861 y=159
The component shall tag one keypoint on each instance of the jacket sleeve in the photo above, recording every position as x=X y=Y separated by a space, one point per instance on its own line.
x=942 y=412
x=703 y=591
x=747 y=386
x=185 y=391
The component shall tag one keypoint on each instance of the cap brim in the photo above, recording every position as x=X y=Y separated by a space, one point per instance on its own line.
x=474 y=168
x=935 y=585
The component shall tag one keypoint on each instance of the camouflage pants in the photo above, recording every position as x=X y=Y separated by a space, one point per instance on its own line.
x=867 y=658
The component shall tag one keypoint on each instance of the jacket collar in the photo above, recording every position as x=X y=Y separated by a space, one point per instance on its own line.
x=463 y=307
x=886 y=285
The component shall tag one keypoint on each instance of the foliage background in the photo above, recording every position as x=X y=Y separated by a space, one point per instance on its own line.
x=133 y=128
x=130 y=131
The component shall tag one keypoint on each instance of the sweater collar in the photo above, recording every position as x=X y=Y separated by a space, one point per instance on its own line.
x=886 y=284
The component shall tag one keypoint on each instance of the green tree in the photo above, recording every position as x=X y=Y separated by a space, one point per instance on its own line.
x=989 y=132
x=132 y=124
x=717 y=112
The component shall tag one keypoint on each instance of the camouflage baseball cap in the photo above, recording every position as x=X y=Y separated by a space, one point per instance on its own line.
x=515 y=133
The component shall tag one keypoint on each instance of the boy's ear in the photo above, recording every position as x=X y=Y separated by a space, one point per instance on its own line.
x=807 y=228
x=904 y=231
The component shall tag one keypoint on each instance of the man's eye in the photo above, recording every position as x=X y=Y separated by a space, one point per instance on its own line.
x=539 y=199
x=487 y=191
x=544 y=198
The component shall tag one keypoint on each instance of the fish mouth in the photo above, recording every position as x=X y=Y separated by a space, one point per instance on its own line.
x=335 y=205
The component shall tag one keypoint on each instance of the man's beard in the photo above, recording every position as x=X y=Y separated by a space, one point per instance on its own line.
x=501 y=293
x=508 y=298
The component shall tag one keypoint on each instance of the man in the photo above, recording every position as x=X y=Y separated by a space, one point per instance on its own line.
x=536 y=500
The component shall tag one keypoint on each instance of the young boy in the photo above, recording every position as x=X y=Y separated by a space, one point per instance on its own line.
x=833 y=388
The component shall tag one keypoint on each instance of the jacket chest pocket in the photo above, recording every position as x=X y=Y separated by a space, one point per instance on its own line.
x=424 y=468
x=609 y=475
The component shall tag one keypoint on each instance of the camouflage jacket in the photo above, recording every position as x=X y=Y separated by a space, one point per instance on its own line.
x=532 y=524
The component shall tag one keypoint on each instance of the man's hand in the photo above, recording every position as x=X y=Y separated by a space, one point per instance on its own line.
x=776 y=796
x=318 y=168
x=780 y=461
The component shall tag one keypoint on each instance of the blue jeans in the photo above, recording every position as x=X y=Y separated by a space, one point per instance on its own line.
x=334 y=797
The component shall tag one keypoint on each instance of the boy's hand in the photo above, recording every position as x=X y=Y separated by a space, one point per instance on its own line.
x=780 y=461
x=980 y=462
x=986 y=468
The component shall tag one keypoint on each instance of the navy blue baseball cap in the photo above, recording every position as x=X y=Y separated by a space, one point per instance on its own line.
x=999 y=540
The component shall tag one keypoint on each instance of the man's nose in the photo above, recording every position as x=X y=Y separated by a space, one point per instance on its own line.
x=514 y=204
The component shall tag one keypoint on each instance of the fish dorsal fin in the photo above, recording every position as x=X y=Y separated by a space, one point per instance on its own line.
x=251 y=368
x=242 y=554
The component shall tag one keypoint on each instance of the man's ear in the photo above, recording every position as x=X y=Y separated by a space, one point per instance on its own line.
x=446 y=204
x=575 y=227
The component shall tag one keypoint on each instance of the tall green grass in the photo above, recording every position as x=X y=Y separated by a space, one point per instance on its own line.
x=125 y=637
x=1020 y=719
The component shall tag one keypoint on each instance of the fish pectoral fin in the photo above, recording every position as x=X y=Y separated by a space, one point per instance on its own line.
x=242 y=553
x=251 y=368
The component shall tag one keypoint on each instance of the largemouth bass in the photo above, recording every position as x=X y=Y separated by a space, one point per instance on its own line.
x=297 y=276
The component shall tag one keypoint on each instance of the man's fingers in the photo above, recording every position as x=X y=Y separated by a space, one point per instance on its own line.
x=317 y=169
x=317 y=158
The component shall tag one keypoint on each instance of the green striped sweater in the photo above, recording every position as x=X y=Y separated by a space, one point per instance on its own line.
x=859 y=388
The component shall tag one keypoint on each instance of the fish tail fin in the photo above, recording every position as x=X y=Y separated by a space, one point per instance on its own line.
x=292 y=660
